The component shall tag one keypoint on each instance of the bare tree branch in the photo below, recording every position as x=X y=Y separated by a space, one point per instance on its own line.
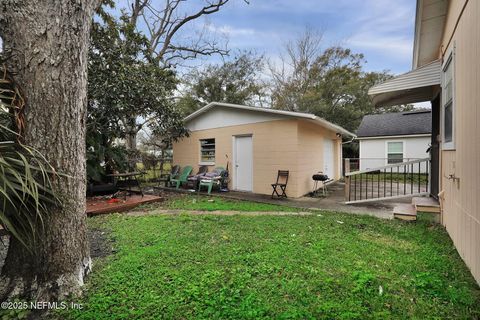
x=164 y=23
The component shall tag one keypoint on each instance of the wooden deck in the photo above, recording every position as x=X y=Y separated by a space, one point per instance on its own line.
x=96 y=205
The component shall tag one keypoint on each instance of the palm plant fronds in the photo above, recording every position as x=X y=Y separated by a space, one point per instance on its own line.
x=25 y=191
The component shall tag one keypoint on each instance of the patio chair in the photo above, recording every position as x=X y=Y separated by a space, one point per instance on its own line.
x=211 y=179
x=281 y=184
x=167 y=177
x=181 y=179
x=193 y=180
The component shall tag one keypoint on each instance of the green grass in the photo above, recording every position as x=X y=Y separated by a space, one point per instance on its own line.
x=394 y=177
x=217 y=203
x=277 y=267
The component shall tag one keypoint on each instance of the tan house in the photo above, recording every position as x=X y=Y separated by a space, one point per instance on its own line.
x=446 y=71
x=257 y=142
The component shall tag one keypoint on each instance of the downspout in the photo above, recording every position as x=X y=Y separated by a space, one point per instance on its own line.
x=347 y=142
x=343 y=163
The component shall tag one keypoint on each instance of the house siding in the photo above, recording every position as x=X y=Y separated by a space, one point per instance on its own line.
x=311 y=157
x=373 y=152
x=274 y=148
x=293 y=145
x=461 y=201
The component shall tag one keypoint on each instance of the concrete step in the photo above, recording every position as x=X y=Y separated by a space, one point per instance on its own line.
x=405 y=211
x=426 y=204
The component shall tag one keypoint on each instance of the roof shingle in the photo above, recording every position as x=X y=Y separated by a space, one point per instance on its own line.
x=396 y=124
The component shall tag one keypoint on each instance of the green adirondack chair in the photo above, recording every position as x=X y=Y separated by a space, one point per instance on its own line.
x=182 y=178
x=210 y=179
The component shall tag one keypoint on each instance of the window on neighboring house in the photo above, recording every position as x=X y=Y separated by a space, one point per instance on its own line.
x=448 y=104
x=394 y=152
x=207 y=150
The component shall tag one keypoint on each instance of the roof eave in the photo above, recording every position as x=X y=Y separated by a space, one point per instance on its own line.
x=394 y=136
x=334 y=127
x=416 y=38
x=417 y=85
x=430 y=19
x=299 y=115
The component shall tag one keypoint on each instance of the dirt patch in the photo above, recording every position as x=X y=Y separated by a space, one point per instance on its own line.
x=101 y=244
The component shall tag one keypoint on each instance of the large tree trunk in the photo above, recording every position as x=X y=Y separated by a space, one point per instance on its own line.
x=48 y=41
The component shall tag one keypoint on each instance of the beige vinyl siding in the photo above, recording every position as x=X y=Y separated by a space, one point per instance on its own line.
x=461 y=215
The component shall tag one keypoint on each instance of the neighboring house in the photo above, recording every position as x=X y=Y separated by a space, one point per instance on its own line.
x=446 y=71
x=394 y=137
x=257 y=142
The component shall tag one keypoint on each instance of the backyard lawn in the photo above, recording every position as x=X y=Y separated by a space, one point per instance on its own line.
x=216 y=203
x=323 y=265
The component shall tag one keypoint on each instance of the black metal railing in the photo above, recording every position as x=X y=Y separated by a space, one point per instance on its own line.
x=391 y=181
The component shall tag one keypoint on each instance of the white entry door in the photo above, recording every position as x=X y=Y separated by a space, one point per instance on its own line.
x=328 y=158
x=243 y=163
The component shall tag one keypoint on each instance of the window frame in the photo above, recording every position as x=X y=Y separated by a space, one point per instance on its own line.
x=387 y=153
x=449 y=62
x=201 y=150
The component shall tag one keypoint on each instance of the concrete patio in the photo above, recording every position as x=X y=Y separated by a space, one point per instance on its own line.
x=334 y=201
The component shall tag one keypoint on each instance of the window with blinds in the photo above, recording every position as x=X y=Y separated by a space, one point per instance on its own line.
x=448 y=104
x=207 y=150
x=394 y=152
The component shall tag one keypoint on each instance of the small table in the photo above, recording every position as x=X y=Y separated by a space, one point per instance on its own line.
x=127 y=180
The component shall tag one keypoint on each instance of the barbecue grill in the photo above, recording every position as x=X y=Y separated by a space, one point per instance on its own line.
x=320 y=177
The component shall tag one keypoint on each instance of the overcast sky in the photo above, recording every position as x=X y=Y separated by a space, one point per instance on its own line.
x=380 y=29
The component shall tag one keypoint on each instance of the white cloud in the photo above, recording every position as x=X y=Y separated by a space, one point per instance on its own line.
x=381 y=29
x=230 y=31
x=400 y=46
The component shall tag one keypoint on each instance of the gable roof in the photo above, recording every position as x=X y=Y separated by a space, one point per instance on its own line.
x=396 y=124
x=299 y=115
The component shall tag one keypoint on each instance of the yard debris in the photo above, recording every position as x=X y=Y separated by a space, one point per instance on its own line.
x=341 y=222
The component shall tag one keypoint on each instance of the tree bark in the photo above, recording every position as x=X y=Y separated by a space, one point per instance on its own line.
x=48 y=44
x=131 y=141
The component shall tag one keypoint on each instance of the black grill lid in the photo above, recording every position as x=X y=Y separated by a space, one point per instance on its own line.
x=320 y=177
